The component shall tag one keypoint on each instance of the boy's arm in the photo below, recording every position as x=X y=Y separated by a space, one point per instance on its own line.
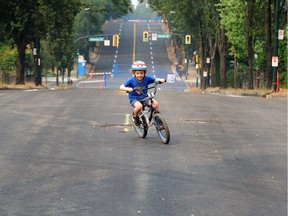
x=127 y=89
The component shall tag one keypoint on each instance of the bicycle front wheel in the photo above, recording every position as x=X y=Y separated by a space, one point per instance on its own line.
x=162 y=128
x=142 y=130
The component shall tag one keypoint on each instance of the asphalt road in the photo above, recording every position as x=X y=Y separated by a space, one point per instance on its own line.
x=74 y=152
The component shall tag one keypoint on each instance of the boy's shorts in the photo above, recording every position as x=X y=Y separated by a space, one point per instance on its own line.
x=144 y=101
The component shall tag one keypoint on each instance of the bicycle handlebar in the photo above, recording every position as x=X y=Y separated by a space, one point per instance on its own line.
x=154 y=86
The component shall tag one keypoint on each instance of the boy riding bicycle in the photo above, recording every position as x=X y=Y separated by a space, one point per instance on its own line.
x=141 y=81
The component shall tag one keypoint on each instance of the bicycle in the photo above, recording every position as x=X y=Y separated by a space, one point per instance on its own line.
x=150 y=116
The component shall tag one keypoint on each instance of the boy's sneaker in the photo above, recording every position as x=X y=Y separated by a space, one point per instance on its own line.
x=136 y=121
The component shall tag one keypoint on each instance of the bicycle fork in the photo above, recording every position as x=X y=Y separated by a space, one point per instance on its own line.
x=145 y=118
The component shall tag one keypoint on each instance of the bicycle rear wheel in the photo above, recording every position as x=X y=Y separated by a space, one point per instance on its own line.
x=162 y=128
x=142 y=130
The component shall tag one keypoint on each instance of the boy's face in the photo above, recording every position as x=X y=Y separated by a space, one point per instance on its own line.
x=139 y=75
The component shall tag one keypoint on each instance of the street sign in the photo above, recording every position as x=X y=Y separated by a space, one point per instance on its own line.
x=106 y=42
x=163 y=35
x=96 y=39
x=170 y=78
x=154 y=36
x=280 y=34
x=274 y=61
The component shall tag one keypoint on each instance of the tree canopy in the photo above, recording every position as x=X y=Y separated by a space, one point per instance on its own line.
x=28 y=22
x=230 y=30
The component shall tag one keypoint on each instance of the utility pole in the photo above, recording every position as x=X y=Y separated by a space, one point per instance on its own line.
x=275 y=53
x=37 y=64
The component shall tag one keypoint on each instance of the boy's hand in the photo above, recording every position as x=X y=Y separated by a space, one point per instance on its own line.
x=160 y=80
x=129 y=89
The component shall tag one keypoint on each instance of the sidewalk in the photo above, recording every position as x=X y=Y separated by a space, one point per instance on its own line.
x=192 y=76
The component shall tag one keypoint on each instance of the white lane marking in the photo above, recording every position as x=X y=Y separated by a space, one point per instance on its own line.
x=236 y=96
x=30 y=90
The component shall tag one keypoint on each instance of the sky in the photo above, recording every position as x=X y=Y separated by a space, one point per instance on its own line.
x=134 y=2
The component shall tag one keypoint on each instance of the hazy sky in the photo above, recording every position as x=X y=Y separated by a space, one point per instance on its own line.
x=134 y=2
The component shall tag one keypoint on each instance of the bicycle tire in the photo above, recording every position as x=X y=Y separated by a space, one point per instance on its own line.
x=162 y=128
x=142 y=130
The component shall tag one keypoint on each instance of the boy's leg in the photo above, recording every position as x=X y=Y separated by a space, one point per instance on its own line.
x=155 y=105
x=137 y=108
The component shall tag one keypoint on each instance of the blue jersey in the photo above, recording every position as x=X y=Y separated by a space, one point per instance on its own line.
x=134 y=83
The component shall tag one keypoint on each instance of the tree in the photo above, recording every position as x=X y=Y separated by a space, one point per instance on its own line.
x=232 y=20
x=268 y=39
x=62 y=17
x=21 y=21
x=8 y=58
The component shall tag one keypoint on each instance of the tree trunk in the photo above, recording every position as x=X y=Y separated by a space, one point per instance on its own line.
x=57 y=73
x=213 y=69
x=212 y=53
x=223 y=53
x=268 y=47
x=249 y=41
x=201 y=56
x=235 y=71
x=20 y=60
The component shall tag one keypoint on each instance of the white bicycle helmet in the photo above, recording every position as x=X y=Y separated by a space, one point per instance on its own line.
x=139 y=65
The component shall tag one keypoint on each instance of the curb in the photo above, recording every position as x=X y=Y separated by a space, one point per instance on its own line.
x=266 y=95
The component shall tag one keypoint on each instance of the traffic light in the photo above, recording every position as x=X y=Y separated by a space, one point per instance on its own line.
x=187 y=39
x=115 y=41
x=145 y=36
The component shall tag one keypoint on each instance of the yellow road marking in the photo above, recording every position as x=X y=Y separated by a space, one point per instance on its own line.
x=134 y=45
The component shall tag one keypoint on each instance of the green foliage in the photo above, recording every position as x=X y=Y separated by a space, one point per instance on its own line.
x=283 y=60
x=60 y=32
x=8 y=57
x=242 y=75
x=48 y=59
x=232 y=13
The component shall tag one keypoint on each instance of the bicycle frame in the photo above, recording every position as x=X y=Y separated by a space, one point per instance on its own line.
x=148 y=113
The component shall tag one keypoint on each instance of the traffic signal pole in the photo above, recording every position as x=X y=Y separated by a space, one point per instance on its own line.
x=187 y=42
x=187 y=60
